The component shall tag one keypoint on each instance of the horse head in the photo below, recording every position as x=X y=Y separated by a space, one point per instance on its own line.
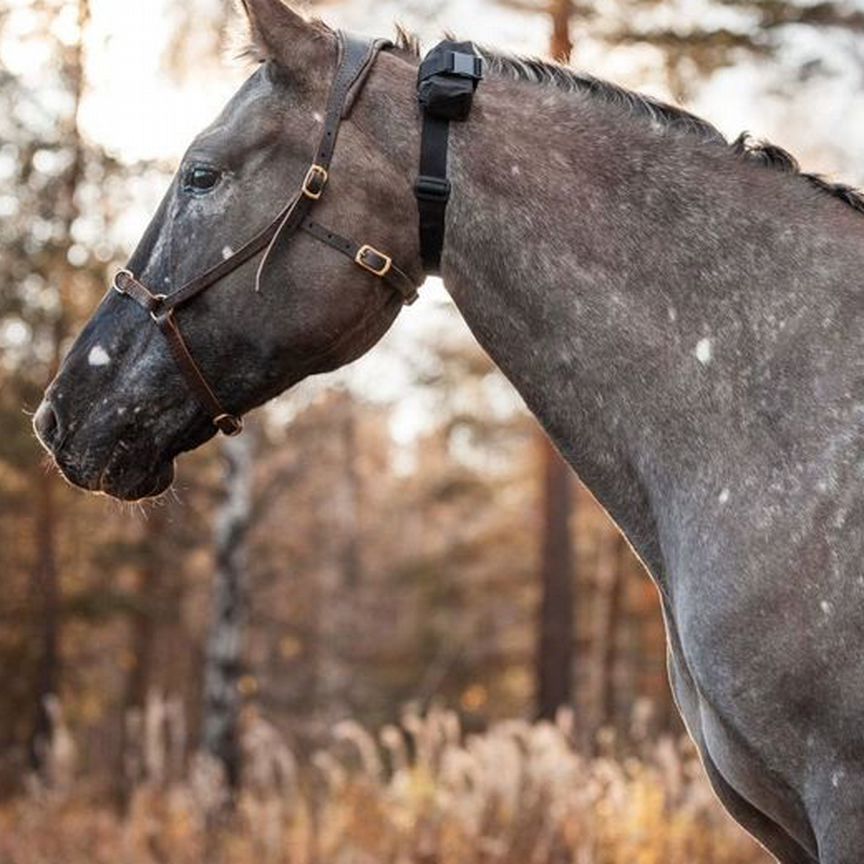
x=122 y=408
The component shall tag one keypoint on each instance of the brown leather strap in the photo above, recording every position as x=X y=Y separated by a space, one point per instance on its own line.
x=163 y=315
x=224 y=268
x=126 y=283
x=224 y=422
x=356 y=59
x=363 y=255
x=287 y=223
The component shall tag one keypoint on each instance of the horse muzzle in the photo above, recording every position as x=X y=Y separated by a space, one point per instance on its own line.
x=117 y=468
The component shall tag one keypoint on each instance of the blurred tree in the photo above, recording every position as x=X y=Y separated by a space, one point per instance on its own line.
x=73 y=566
x=223 y=663
x=562 y=45
x=562 y=13
x=339 y=579
x=555 y=646
x=52 y=161
x=610 y=574
x=691 y=50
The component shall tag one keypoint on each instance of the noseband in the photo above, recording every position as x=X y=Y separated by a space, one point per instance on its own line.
x=356 y=59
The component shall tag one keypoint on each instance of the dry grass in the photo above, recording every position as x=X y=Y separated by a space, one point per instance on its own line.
x=421 y=793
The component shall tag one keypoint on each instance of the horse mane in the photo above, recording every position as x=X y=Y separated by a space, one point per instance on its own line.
x=547 y=74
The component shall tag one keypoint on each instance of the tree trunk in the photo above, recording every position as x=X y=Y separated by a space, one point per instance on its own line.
x=561 y=47
x=46 y=595
x=607 y=612
x=45 y=580
x=145 y=617
x=555 y=644
x=223 y=661
x=347 y=498
x=144 y=628
x=340 y=575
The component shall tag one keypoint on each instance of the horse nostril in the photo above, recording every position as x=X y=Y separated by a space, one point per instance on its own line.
x=47 y=425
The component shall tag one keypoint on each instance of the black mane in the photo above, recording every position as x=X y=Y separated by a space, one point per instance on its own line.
x=547 y=74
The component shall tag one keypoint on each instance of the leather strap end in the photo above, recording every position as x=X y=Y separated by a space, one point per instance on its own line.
x=228 y=424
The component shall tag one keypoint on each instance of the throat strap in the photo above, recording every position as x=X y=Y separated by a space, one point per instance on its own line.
x=446 y=83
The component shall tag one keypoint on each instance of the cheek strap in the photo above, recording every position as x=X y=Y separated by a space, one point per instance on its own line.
x=163 y=316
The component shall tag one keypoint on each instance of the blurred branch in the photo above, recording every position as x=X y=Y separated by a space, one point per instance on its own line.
x=780 y=13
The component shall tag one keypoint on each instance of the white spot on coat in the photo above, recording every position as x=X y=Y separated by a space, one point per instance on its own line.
x=723 y=497
x=515 y=170
x=704 y=351
x=317 y=117
x=826 y=607
x=98 y=356
x=227 y=252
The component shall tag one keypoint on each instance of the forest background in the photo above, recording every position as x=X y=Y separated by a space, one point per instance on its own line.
x=388 y=624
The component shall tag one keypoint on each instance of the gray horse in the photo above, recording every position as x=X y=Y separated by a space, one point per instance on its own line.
x=683 y=316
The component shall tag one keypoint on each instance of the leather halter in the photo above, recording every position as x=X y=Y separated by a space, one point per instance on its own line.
x=356 y=59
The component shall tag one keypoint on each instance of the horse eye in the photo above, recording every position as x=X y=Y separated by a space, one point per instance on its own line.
x=200 y=179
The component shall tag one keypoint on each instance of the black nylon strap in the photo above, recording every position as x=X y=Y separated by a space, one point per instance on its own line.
x=432 y=191
x=446 y=82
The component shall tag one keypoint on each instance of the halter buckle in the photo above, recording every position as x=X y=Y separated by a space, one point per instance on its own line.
x=315 y=181
x=123 y=272
x=228 y=424
x=369 y=258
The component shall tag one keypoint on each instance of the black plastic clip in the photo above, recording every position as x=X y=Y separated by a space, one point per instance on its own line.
x=428 y=188
x=466 y=65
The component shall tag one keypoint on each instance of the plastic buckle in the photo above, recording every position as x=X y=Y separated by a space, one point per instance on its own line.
x=315 y=181
x=466 y=65
x=369 y=258
x=427 y=188
x=228 y=424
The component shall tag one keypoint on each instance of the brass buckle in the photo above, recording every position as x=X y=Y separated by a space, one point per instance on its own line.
x=228 y=424
x=365 y=250
x=117 y=275
x=319 y=173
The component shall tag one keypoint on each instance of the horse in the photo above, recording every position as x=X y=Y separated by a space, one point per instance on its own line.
x=683 y=315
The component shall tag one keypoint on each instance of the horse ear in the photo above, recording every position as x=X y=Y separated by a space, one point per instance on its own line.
x=276 y=31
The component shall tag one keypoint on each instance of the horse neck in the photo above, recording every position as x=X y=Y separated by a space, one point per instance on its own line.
x=630 y=282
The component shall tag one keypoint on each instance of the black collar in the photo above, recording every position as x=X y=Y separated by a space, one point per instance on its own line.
x=448 y=77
